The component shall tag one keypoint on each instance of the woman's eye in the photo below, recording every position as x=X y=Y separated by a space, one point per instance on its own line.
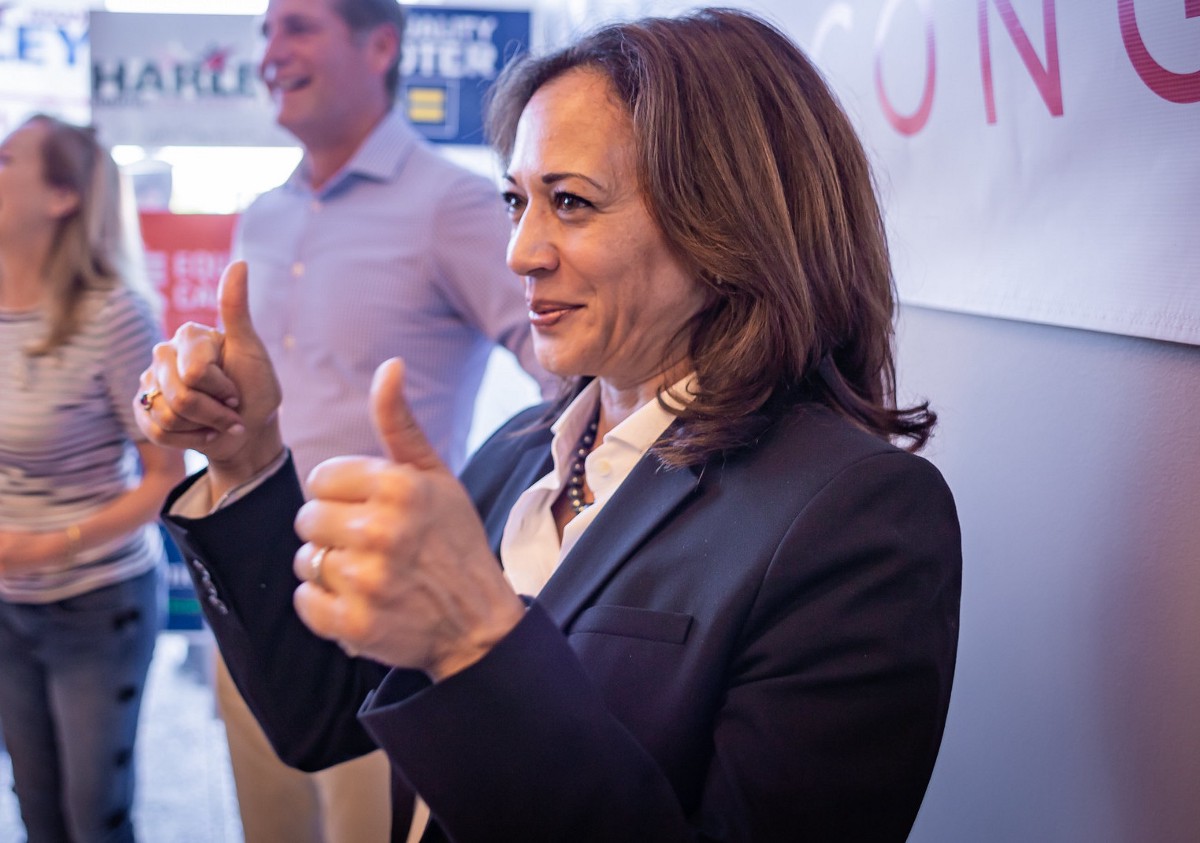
x=570 y=202
x=512 y=202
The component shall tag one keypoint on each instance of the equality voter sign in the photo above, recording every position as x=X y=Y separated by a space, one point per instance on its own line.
x=450 y=58
x=43 y=62
x=1038 y=159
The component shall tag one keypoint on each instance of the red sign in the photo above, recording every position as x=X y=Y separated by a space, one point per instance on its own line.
x=185 y=255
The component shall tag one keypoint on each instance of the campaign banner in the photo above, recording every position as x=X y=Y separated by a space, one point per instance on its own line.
x=450 y=58
x=43 y=62
x=1039 y=160
x=170 y=79
x=185 y=256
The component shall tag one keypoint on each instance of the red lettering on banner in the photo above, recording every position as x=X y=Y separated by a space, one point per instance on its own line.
x=185 y=254
x=1173 y=87
x=1047 y=77
x=908 y=124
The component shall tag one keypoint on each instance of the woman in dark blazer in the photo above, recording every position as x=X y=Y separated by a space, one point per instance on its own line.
x=701 y=597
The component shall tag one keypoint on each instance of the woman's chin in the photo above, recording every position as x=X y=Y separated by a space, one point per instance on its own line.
x=563 y=365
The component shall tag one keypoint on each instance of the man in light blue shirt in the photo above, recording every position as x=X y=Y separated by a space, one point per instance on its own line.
x=375 y=247
x=395 y=251
x=398 y=253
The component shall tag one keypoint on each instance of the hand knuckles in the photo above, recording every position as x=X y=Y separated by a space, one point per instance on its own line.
x=318 y=477
x=192 y=331
x=306 y=516
x=371 y=579
x=163 y=351
x=193 y=371
x=167 y=419
x=381 y=532
x=396 y=484
x=355 y=623
x=302 y=600
x=186 y=402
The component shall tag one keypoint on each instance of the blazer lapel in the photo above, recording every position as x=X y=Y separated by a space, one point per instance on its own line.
x=531 y=467
x=644 y=500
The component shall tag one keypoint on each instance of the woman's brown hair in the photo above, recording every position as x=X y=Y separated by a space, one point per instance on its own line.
x=760 y=184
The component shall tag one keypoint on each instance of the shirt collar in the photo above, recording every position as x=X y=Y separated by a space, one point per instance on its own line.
x=648 y=422
x=378 y=158
x=640 y=430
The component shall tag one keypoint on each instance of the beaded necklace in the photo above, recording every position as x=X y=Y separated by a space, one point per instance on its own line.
x=575 y=478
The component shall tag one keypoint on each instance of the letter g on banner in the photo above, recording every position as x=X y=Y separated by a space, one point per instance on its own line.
x=1174 y=87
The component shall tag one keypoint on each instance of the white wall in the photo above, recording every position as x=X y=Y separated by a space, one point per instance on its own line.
x=1075 y=461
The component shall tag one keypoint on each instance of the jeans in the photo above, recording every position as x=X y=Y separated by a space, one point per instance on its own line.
x=71 y=681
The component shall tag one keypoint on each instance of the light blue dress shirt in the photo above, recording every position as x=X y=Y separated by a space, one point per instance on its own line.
x=400 y=253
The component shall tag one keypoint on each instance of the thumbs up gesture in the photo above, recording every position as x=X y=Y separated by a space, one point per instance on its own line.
x=397 y=565
x=215 y=391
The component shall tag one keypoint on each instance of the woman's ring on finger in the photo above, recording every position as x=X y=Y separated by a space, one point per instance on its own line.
x=318 y=559
x=146 y=399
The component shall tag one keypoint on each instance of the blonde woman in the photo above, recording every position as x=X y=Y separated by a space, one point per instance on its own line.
x=79 y=551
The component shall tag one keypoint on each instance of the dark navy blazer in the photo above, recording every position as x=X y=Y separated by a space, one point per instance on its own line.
x=759 y=648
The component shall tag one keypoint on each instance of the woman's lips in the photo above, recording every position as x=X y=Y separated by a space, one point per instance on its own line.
x=548 y=314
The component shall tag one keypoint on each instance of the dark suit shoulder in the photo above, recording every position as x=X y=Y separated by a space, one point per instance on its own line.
x=490 y=469
x=813 y=455
x=817 y=443
x=527 y=429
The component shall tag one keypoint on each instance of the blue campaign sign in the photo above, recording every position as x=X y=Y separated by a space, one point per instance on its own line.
x=451 y=57
x=183 y=606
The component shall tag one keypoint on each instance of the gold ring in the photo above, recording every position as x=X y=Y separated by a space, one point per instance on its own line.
x=318 y=559
x=146 y=399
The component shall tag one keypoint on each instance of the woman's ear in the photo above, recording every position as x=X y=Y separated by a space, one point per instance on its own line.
x=63 y=202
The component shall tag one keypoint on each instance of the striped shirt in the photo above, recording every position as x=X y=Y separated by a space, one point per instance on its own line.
x=67 y=437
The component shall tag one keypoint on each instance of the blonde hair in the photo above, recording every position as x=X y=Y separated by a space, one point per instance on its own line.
x=98 y=245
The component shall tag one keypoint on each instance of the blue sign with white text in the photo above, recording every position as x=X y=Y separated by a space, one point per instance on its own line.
x=451 y=57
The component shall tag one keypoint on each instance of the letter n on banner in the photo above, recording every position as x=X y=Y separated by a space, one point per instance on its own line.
x=1047 y=77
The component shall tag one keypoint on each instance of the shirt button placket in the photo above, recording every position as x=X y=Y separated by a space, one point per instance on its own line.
x=289 y=339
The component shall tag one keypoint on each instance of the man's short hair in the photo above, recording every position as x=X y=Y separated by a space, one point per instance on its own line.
x=361 y=15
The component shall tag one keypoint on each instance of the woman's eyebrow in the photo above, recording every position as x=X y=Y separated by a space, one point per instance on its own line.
x=551 y=178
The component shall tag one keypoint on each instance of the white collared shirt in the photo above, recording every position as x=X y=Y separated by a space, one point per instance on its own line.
x=530 y=549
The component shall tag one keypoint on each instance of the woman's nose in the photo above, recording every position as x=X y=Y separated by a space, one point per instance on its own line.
x=530 y=247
